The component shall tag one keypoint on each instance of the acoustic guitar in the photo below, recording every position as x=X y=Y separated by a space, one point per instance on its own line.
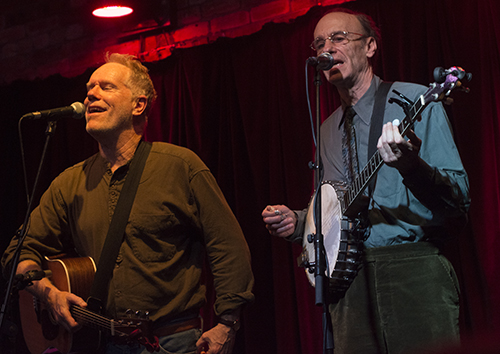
x=76 y=275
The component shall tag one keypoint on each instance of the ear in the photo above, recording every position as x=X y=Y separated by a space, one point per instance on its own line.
x=371 y=47
x=140 y=105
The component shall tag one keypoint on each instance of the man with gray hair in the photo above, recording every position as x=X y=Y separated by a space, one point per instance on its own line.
x=178 y=216
x=405 y=294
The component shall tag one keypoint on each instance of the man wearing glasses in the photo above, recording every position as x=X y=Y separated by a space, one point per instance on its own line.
x=405 y=295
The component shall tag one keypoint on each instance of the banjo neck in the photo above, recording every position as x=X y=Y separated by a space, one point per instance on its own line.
x=447 y=80
x=361 y=181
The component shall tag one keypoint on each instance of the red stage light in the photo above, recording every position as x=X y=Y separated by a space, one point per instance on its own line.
x=112 y=11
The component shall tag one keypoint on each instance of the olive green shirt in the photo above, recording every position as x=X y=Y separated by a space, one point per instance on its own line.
x=179 y=215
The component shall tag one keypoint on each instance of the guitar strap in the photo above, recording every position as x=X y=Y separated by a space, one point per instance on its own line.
x=376 y=123
x=114 y=238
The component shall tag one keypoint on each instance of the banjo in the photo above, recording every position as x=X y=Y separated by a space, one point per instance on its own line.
x=342 y=225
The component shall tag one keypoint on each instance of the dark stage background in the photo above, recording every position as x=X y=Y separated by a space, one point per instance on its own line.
x=241 y=105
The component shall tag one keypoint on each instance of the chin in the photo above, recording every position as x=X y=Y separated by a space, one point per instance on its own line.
x=336 y=78
x=93 y=131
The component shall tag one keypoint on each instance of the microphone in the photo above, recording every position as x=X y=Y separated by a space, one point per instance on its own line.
x=76 y=111
x=324 y=61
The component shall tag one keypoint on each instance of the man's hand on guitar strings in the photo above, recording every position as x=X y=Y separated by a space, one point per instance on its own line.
x=280 y=220
x=396 y=151
x=59 y=303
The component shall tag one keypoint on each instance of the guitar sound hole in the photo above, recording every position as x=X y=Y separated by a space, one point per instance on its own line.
x=50 y=330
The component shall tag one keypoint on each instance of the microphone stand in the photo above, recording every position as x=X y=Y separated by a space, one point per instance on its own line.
x=321 y=281
x=8 y=327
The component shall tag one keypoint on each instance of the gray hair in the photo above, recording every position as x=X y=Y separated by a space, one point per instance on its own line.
x=139 y=81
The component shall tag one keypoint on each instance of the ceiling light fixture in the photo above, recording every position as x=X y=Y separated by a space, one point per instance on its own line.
x=110 y=9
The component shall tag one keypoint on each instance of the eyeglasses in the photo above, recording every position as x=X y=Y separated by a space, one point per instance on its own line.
x=337 y=38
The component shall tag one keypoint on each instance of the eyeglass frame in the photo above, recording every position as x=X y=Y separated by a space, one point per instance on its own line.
x=345 y=33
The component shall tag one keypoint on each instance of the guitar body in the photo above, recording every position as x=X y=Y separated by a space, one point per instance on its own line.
x=74 y=275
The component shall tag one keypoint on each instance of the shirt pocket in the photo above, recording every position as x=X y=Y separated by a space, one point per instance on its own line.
x=149 y=237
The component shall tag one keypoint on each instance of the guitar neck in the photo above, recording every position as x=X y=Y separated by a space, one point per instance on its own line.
x=95 y=321
x=361 y=181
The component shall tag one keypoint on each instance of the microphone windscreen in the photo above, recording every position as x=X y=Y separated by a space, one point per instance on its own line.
x=79 y=110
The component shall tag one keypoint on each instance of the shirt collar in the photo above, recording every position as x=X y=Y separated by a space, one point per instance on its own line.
x=364 y=107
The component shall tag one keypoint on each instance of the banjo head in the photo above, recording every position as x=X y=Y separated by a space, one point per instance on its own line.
x=331 y=216
x=341 y=238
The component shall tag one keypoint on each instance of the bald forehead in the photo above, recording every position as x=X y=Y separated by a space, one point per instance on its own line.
x=337 y=21
x=110 y=72
x=114 y=69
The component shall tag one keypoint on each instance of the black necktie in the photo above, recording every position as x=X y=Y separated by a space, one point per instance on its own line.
x=349 y=152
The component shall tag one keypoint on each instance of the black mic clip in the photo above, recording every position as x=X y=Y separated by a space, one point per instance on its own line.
x=22 y=281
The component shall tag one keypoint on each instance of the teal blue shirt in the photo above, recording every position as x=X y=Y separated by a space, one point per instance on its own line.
x=419 y=206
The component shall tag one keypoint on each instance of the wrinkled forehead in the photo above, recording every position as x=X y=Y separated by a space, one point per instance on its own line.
x=337 y=22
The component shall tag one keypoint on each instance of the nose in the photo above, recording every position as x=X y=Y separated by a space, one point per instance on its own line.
x=329 y=47
x=93 y=93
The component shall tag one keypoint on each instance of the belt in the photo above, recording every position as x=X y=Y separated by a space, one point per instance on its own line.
x=404 y=250
x=178 y=327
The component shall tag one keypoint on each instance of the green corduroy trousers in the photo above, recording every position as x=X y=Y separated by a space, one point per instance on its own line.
x=405 y=299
